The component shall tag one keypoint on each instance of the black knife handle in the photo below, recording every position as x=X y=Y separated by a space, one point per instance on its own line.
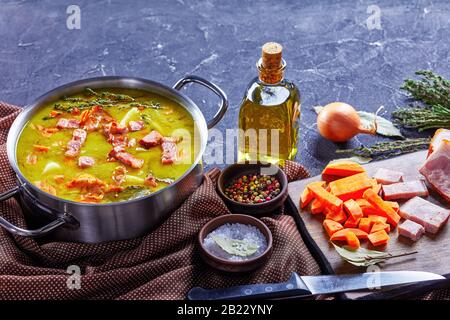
x=252 y=291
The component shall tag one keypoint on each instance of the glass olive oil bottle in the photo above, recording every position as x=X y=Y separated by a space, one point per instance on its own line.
x=269 y=113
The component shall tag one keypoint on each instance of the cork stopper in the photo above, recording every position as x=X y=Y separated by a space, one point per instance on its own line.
x=271 y=55
x=271 y=65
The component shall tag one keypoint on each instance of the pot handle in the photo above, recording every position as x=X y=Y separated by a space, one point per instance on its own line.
x=61 y=220
x=211 y=86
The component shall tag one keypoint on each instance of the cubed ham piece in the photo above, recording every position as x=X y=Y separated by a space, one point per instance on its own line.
x=68 y=123
x=411 y=230
x=128 y=159
x=115 y=128
x=154 y=138
x=429 y=215
x=386 y=176
x=169 y=150
x=74 y=145
x=136 y=125
x=85 y=162
x=436 y=170
x=405 y=190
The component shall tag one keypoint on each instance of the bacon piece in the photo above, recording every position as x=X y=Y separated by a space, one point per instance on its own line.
x=154 y=138
x=44 y=186
x=169 y=150
x=150 y=181
x=411 y=230
x=93 y=118
x=386 y=176
x=85 y=162
x=436 y=170
x=118 y=174
x=439 y=136
x=64 y=123
x=59 y=178
x=405 y=190
x=136 y=125
x=432 y=217
x=31 y=159
x=40 y=148
x=113 y=188
x=46 y=131
x=92 y=197
x=74 y=145
x=126 y=158
x=85 y=180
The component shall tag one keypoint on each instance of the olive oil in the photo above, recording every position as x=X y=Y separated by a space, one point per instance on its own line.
x=269 y=112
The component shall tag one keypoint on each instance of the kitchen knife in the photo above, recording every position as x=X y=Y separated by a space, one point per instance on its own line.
x=314 y=285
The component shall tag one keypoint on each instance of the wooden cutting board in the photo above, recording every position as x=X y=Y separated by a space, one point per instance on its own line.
x=433 y=251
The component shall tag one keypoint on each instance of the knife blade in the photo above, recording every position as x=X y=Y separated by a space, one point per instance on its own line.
x=315 y=285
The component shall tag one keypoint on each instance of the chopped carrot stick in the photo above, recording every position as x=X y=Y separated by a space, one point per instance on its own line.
x=307 y=196
x=331 y=226
x=340 y=235
x=377 y=226
x=352 y=240
x=383 y=208
x=377 y=188
x=394 y=205
x=352 y=223
x=365 y=224
x=40 y=148
x=376 y=218
x=378 y=238
x=353 y=209
x=366 y=207
x=327 y=199
x=338 y=216
x=316 y=207
x=343 y=168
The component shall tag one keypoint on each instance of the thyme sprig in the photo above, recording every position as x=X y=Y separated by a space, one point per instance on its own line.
x=434 y=91
x=387 y=149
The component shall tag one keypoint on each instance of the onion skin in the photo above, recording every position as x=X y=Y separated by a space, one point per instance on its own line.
x=339 y=122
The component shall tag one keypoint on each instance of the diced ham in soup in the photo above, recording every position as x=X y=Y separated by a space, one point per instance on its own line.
x=154 y=138
x=85 y=162
x=386 y=176
x=68 y=124
x=405 y=190
x=136 y=125
x=150 y=181
x=411 y=230
x=432 y=217
x=169 y=150
x=74 y=145
x=121 y=155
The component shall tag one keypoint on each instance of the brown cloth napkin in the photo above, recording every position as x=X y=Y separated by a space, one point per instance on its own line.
x=164 y=264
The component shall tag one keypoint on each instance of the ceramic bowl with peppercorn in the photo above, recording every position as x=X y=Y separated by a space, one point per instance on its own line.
x=254 y=189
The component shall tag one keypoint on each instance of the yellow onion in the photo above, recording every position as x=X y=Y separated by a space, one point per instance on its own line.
x=339 y=122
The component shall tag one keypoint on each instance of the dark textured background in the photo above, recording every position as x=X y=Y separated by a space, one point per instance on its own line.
x=331 y=54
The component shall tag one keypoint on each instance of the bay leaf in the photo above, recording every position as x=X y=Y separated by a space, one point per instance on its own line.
x=361 y=257
x=384 y=126
x=236 y=247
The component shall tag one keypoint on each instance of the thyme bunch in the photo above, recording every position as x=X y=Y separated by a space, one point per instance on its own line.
x=387 y=149
x=434 y=91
